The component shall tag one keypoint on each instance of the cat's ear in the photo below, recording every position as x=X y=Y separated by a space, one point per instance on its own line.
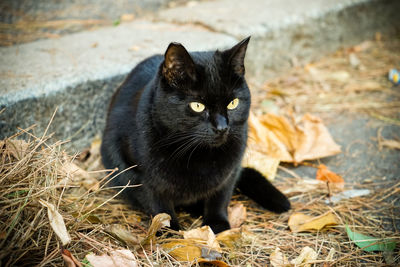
x=235 y=56
x=178 y=64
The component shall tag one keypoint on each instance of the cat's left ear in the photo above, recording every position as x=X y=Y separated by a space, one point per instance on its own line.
x=235 y=56
x=178 y=64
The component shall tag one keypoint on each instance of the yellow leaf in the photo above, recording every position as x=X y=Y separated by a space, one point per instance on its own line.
x=230 y=238
x=183 y=250
x=299 y=222
x=237 y=215
x=203 y=235
x=56 y=222
x=277 y=259
x=235 y=236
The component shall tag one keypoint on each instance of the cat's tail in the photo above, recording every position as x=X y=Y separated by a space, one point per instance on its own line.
x=254 y=185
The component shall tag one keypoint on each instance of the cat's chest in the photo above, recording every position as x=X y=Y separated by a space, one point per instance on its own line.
x=194 y=177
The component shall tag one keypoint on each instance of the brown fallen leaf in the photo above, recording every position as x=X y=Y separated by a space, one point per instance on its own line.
x=299 y=222
x=237 y=215
x=119 y=257
x=56 y=222
x=203 y=235
x=69 y=259
x=287 y=141
x=324 y=174
x=123 y=234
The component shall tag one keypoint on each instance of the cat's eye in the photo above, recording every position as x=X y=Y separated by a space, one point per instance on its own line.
x=233 y=104
x=196 y=106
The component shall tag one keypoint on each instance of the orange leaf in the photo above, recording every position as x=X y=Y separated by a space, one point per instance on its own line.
x=69 y=259
x=324 y=174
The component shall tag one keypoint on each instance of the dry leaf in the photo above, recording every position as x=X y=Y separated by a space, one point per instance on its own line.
x=324 y=174
x=79 y=174
x=214 y=263
x=120 y=258
x=275 y=136
x=123 y=234
x=17 y=148
x=237 y=215
x=390 y=143
x=306 y=257
x=183 y=250
x=127 y=17
x=69 y=259
x=299 y=222
x=260 y=161
x=230 y=238
x=57 y=222
x=159 y=221
x=315 y=140
x=277 y=259
x=348 y=194
x=305 y=185
x=203 y=235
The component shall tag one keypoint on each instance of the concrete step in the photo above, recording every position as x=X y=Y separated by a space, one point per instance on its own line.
x=78 y=73
x=290 y=32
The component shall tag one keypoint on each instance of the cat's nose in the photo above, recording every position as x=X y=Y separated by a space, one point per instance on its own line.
x=221 y=124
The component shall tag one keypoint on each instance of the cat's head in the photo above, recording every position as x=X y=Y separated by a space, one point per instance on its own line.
x=203 y=95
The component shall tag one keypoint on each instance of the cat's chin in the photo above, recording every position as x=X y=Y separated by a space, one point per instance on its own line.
x=217 y=142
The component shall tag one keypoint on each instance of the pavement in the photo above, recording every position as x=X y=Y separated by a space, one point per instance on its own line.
x=78 y=72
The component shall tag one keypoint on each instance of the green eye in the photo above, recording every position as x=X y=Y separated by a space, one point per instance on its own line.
x=197 y=107
x=233 y=104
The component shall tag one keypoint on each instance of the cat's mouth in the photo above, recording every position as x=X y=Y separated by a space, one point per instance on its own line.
x=218 y=140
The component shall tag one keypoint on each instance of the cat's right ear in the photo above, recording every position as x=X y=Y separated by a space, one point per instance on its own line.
x=178 y=64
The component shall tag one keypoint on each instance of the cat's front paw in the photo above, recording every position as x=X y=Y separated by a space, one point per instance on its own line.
x=218 y=225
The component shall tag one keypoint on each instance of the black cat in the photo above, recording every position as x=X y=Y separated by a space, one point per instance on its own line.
x=182 y=119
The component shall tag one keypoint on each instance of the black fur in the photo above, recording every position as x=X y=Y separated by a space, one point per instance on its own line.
x=185 y=157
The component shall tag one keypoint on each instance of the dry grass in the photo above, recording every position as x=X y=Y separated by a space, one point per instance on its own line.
x=37 y=169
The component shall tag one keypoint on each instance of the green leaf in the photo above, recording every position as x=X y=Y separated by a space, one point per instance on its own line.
x=369 y=243
x=116 y=22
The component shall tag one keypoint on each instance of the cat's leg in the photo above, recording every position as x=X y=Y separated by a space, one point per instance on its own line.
x=216 y=209
x=154 y=204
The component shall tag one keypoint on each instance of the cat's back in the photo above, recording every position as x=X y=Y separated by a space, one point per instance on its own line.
x=136 y=81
